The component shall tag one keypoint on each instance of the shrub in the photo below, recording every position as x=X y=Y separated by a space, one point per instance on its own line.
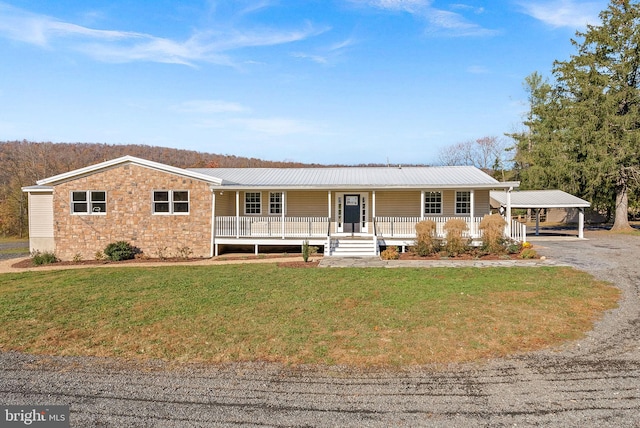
x=99 y=255
x=528 y=253
x=514 y=248
x=390 y=253
x=44 y=258
x=308 y=250
x=456 y=243
x=426 y=242
x=77 y=258
x=184 y=252
x=121 y=250
x=492 y=227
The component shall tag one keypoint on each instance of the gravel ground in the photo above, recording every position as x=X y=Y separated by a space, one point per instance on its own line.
x=12 y=250
x=591 y=382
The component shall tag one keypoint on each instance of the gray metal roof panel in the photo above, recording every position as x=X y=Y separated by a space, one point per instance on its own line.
x=459 y=176
x=540 y=199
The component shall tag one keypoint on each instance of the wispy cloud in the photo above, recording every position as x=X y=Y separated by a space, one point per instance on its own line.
x=210 y=107
x=125 y=46
x=564 y=13
x=221 y=114
x=439 y=21
x=327 y=55
x=477 y=69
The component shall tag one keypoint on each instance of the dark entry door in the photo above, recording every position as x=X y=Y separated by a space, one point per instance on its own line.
x=352 y=213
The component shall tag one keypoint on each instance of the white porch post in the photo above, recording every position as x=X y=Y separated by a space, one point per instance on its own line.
x=282 y=211
x=509 y=211
x=581 y=223
x=329 y=204
x=373 y=205
x=212 y=251
x=237 y=214
x=421 y=205
x=472 y=212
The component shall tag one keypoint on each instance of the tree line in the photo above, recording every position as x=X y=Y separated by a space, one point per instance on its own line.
x=22 y=163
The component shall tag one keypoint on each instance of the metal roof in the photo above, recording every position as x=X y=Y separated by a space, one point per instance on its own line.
x=540 y=199
x=355 y=177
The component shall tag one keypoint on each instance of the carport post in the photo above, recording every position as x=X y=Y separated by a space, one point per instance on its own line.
x=581 y=223
x=509 y=212
x=537 y=221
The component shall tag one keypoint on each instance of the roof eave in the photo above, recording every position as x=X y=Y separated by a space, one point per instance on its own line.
x=124 y=160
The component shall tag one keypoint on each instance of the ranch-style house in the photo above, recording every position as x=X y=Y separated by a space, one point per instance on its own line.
x=160 y=208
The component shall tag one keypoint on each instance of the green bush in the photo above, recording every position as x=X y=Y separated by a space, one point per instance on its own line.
x=121 y=250
x=308 y=250
x=528 y=253
x=44 y=258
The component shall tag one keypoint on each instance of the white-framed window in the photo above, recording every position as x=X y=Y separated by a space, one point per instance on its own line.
x=433 y=202
x=252 y=203
x=89 y=202
x=463 y=202
x=171 y=202
x=276 y=203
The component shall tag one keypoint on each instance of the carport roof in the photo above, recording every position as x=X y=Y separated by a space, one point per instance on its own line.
x=539 y=199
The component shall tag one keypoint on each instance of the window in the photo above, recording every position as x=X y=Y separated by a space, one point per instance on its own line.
x=433 y=202
x=89 y=202
x=276 y=200
x=463 y=202
x=171 y=202
x=252 y=204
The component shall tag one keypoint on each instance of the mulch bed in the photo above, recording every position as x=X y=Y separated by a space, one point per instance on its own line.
x=466 y=256
x=27 y=263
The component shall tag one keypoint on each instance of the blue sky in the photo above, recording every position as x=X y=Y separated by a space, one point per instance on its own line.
x=324 y=81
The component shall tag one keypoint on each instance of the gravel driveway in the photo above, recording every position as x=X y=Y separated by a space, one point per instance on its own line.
x=593 y=382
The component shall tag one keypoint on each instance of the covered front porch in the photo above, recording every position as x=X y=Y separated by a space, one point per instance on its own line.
x=324 y=231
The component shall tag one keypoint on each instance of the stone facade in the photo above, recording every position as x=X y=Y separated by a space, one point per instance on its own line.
x=129 y=214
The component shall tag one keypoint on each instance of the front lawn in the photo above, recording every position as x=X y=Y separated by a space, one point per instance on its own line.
x=262 y=312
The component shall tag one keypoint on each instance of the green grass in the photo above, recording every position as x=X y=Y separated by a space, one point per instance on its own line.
x=361 y=317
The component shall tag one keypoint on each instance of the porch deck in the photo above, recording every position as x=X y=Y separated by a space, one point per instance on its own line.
x=256 y=230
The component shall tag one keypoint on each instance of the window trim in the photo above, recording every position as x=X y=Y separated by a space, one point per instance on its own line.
x=259 y=206
x=467 y=202
x=280 y=205
x=89 y=201
x=431 y=203
x=171 y=202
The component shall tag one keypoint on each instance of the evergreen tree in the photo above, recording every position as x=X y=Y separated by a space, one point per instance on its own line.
x=584 y=129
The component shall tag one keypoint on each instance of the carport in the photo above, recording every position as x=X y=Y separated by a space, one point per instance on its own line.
x=540 y=199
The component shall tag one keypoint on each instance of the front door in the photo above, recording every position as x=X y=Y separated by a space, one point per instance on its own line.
x=352 y=213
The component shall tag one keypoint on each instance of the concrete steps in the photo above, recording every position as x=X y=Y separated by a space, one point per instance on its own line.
x=350 y=247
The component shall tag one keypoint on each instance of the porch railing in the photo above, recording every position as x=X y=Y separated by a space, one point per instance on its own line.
x=271 y=227
x=405 y=227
